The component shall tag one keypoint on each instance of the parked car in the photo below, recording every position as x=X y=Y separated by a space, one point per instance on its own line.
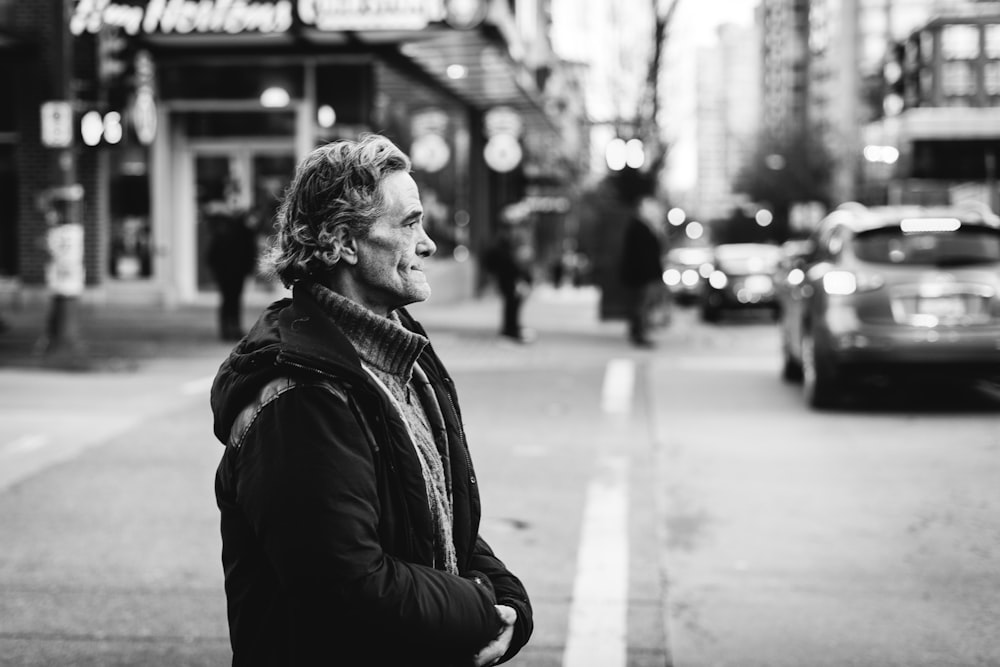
x=894 y=289
x=742 y=277
x=685 y=271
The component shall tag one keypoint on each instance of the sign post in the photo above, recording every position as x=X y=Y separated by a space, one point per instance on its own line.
x=59 y=206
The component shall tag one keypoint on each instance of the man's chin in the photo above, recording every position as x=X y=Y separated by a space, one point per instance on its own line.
x=418 y=295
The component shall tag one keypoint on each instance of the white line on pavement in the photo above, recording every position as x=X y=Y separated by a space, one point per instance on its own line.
x=25 y=443
x=199 y=386
x=619 y=380
x=597 y=617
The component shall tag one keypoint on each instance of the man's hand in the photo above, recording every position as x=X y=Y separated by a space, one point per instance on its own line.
x=492 y=652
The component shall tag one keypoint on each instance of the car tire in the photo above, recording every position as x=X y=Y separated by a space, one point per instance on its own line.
x=791 y=369
x=819 y=376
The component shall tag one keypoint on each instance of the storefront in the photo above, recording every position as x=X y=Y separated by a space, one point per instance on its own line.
x=219 y=94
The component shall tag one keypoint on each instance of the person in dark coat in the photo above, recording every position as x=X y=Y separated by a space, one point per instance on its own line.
x=506 y=261
x=349 y=503
x=641 y=267
x=232 y=257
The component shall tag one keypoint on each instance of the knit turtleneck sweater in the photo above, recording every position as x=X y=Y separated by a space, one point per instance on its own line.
x=389 y=352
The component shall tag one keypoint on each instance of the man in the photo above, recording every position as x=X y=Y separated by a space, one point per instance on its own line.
x=507 y=262
x=642 y=267
x=232 y=257
x=350 y=508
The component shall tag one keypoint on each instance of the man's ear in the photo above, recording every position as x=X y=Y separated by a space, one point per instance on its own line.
x=345 y=245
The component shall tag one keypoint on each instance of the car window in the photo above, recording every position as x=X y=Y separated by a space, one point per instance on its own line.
x=966 y=245
x=746 y=259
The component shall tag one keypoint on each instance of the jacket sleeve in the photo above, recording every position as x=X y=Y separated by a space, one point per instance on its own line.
x=306 y=480
x=508 y=590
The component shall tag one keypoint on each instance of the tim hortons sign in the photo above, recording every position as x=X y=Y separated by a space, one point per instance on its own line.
x=268 y=16
x=183 y=16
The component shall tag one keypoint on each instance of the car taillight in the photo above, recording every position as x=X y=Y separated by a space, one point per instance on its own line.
x=844 y=283
x=718 y=279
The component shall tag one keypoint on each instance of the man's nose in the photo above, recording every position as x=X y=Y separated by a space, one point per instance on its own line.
x=425 y=244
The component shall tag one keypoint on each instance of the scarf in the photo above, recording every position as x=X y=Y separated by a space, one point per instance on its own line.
x=389 y=353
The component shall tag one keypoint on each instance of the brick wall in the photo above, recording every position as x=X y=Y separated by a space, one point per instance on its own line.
x=39 y=25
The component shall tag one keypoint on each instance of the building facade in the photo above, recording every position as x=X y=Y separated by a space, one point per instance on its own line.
x=727 y=118
x=173 y=101
x=947 y=130
x=784 y=30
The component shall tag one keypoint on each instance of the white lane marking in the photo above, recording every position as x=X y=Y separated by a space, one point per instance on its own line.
x=619 y=381
x=25 y=443
x=597 y=617
x=199 y=386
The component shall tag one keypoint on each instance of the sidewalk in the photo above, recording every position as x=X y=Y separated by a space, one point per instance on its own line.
x=113 y=337
x=120 y=337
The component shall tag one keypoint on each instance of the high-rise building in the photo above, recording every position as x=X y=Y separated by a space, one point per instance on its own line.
x=784 y=26
x=850 y=44
x=727 y=118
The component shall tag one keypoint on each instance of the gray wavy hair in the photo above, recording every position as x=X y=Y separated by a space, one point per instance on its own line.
x=338 y=183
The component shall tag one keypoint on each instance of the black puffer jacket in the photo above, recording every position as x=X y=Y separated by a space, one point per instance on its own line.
x=327 y=535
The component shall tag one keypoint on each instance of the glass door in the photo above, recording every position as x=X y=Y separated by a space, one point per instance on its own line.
x=248 y=177
x=270 y=174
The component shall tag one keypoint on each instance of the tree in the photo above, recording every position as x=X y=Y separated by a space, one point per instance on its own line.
x=782 y=172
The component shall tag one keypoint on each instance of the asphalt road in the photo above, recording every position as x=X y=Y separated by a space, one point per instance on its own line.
x=679 y=506
x=866 y=536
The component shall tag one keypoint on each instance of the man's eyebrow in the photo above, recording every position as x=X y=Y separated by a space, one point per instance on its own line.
x=414 y=214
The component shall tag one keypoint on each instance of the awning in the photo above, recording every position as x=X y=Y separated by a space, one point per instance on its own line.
x=489 y=78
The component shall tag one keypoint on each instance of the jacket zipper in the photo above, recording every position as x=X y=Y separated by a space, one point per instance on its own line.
x=461 y=429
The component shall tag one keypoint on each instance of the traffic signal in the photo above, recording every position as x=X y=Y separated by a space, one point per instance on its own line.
x=893 y=100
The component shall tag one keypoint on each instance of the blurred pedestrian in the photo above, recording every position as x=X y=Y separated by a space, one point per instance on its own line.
x=508 y=261
x=641 y=267
x=232 y=257
x=350 y=507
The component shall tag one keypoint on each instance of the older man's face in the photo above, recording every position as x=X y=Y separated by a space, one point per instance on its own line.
x=391 y=259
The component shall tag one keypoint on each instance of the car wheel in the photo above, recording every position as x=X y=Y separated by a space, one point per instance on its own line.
x=819 y=378
x=791 y=369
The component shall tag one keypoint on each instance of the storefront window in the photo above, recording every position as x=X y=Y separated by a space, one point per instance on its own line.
x=992 y=41
x=212 y=174
x=927 y=83
x=270 y=178
x=131 y=252
x=960 y=42
x=991 y=78
x=957 y=80
x=927 y=46
x=247 y=181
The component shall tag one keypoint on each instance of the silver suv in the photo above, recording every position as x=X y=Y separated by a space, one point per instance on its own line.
x=889 y=290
